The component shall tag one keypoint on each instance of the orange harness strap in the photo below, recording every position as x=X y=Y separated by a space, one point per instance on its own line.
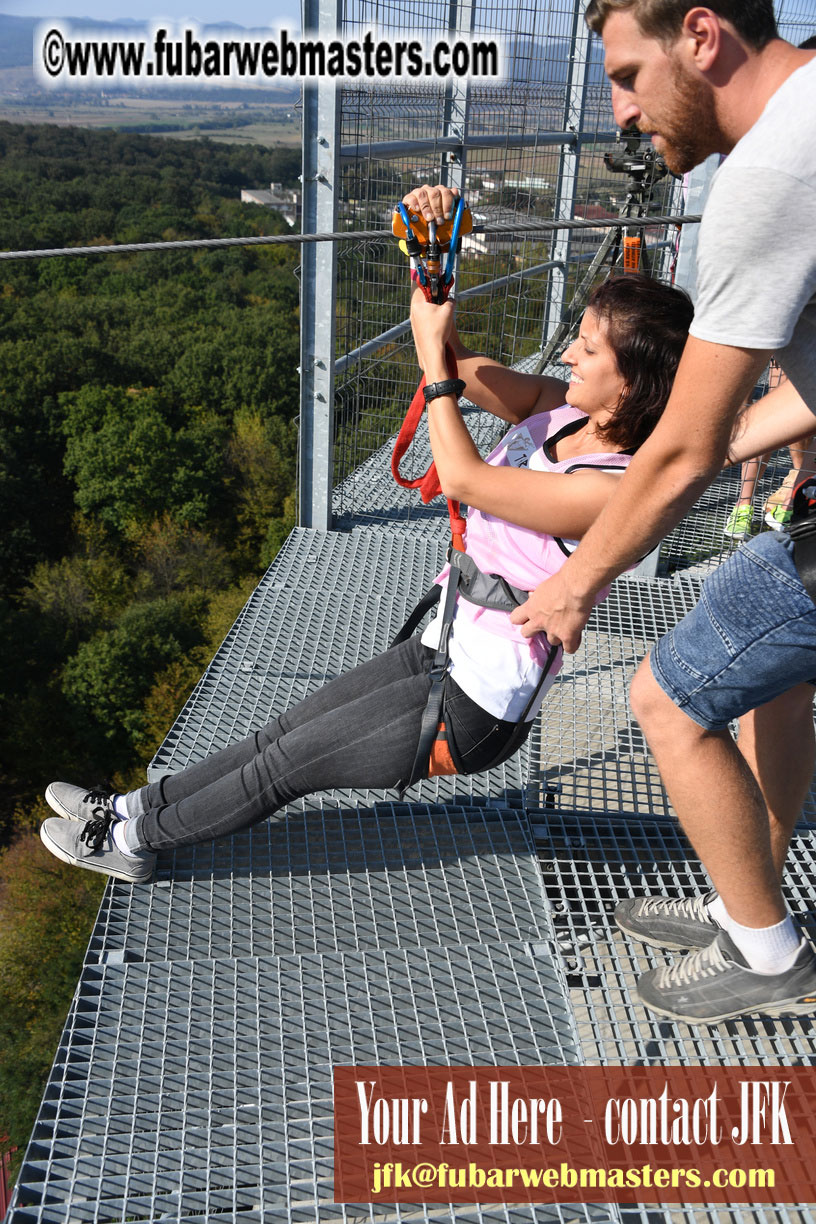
x=441 y=761
x=428 y=484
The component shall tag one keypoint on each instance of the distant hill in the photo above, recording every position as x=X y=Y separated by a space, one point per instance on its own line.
x=16 y=34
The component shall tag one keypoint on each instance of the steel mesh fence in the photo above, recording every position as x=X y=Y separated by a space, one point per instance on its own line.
x=511 y=165
x=499 y=143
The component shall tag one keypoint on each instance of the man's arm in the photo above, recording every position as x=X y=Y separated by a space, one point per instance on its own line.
x=779 y=418
x=667 y=475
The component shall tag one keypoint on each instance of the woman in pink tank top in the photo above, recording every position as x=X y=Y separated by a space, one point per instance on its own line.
x=530 y=501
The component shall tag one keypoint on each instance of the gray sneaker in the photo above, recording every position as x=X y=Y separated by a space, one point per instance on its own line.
x=715 y=983
x=79 y=803
x=92 y=846
x=676 y=923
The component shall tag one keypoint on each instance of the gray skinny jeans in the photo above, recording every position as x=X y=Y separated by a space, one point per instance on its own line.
x=360 y=730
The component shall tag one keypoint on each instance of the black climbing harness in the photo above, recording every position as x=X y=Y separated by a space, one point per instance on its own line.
x=487 y=591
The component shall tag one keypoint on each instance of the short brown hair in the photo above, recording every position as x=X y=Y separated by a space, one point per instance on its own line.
x=647 y=323
x=753 y=20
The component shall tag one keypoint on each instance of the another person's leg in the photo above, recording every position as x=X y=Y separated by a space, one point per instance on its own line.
x=778 y=743
x=738 y=524
x=779 y=506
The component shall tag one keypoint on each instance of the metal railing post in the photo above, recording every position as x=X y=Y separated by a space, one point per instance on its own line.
x=318 y=288
x=567 y=185
x=457 y=99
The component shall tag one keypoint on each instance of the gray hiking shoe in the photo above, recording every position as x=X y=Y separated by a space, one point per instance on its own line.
x=715 y=983
x=675 y=923
x=79 y=803
x=92 y=846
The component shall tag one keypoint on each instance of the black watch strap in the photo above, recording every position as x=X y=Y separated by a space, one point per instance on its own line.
x=450 y=386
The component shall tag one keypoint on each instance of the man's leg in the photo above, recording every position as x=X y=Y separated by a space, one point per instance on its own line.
x=750 y=643
x=777 y=741
x=717 y=800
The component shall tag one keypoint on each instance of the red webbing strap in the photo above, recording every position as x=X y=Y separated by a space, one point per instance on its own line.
x=428 y=484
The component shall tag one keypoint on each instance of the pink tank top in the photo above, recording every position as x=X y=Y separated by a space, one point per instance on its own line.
x=521 y=555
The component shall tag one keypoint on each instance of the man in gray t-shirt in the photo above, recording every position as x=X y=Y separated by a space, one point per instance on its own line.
x=702 y=79
x=756 y=260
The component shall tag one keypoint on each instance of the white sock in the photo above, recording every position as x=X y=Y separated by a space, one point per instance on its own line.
x=770 y=949
x=717 y=911
x=120 y=806
x=120 y=842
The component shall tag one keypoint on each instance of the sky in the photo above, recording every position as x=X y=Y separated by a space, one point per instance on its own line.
x=253 y=14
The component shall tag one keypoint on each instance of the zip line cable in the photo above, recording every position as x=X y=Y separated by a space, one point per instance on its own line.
x=497 y=227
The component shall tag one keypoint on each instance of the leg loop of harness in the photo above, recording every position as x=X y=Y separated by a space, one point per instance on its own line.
x=436 y=749
x=432 y=714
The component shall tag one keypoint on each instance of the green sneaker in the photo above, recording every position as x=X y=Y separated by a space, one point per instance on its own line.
x=739 y=522
x=778 y=517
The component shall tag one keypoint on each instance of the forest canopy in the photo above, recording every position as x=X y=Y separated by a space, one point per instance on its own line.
x=147 y=402
x=147 y=463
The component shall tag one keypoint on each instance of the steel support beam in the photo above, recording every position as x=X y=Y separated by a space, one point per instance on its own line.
x=321 y=189
x=461 y=20
x=567 y=185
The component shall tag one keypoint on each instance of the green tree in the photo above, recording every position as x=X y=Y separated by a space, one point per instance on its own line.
x=130 y=465
x=109 y=677
x=262 y=455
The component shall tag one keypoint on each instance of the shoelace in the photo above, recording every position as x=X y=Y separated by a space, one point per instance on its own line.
x=96 y=829
x=705 y=962
x=99 y=798
x=684 y=907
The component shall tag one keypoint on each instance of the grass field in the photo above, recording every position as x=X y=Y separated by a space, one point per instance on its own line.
x=264 y=122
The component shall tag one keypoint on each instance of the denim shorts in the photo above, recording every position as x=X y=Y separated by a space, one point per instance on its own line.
x=751 y=637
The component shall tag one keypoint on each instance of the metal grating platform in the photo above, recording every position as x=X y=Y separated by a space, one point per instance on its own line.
x=354 y=592
x=589 y=863
x=593 y=756
x=393 y=876
x=592 y=752
x=193 y=1078
x=214 y=1098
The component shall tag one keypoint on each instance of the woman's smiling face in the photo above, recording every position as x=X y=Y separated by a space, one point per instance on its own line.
x=596 y=384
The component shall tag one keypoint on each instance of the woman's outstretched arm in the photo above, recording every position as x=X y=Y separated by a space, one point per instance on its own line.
x=543 y=501
x=505 y=393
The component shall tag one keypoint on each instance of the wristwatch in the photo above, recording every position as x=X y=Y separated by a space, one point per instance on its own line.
x=450 y=386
